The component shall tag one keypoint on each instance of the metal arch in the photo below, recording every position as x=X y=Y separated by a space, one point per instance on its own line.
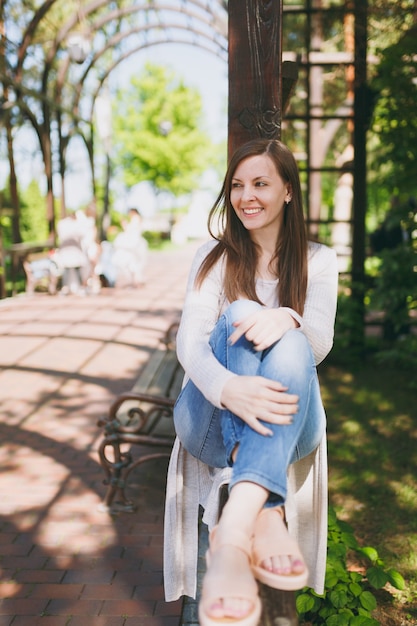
x=210 y=19
x=154 y=6
x=158 y=7
x=60 y=82
x=120 y=36
x=77 y=118
x=112 y=43
x=104 y=76
x=200 y=16
x=126 y=55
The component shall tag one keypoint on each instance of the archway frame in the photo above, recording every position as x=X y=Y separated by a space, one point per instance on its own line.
x=234 y=30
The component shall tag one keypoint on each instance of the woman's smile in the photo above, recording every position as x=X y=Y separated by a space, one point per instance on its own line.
x=252 y=211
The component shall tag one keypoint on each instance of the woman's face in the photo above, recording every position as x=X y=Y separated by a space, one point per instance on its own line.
x=258 y=194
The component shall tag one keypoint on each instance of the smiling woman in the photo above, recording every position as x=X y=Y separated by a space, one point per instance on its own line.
x=253 y=328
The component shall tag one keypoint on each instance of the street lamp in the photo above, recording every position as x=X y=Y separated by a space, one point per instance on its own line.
x=79 y=47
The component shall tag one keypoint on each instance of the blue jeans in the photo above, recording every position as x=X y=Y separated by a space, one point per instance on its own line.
x=211 y=434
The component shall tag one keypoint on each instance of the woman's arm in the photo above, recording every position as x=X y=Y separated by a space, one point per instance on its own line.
x=268 y=325
x=202 y=308
x=320 y=308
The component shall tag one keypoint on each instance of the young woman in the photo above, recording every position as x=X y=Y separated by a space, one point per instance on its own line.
x=258 y=317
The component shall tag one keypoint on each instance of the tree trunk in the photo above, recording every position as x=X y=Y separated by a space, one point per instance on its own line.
x=14 y=195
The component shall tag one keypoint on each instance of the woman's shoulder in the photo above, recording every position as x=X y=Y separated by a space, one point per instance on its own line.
x=206 y=247
x=203 y=250
x=320 y=255
x=201 y=253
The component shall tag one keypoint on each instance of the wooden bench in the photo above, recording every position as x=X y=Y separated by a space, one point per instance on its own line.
x=142 y=416
x=23 y=253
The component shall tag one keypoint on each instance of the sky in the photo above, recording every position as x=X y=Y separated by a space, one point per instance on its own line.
x=198 y=69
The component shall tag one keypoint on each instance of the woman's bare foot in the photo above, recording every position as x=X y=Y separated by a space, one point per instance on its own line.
x=229 y=587
x=277 y=560
x=229 y=561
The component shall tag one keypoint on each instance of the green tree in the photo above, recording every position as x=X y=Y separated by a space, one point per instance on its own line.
x=33 y=223
x=394 y=129
x=157 y=132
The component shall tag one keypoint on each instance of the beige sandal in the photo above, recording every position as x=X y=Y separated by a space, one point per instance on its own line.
x=271 y=538
x=226 y=586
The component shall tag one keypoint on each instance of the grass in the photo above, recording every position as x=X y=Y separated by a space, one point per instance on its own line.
x=372 y=441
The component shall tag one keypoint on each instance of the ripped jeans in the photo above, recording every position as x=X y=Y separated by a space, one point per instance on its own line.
x=211 y=434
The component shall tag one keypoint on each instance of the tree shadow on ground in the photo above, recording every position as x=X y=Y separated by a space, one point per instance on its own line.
x=116 y=573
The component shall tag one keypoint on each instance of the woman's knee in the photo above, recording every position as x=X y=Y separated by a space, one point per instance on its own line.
x=239 y=309
x=293 y=351
x=296 y=341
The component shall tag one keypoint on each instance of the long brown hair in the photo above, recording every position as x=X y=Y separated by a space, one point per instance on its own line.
x=289 y=261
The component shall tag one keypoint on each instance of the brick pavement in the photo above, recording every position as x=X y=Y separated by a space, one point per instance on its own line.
x=62 y=361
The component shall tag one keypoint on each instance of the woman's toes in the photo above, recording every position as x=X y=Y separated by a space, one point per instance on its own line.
x=298 y=566
x=283 y=565
x=216 y=610
x=237 y=607
x=231 y=608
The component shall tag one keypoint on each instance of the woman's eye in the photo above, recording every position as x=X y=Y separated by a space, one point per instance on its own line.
x=236 y=185
x=260 y=183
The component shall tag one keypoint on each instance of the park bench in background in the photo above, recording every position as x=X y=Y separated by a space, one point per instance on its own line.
x=41 y=271
x=22 y=255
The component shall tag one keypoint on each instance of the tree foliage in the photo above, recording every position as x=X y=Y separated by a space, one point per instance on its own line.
x=394 y=158
x=157 y=132
x=33 y=225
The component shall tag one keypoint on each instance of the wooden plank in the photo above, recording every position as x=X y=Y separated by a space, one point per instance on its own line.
x=159 y=374
x=161 y=377
x=149 y=371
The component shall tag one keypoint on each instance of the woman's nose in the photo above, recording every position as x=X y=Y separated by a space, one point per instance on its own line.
x=248 y=193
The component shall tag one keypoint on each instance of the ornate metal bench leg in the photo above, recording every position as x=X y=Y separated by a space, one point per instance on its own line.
x=115 y=471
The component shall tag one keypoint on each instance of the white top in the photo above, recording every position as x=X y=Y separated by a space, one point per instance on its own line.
x=190 y=482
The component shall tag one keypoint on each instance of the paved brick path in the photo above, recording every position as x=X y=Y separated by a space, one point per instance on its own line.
x=62 y=361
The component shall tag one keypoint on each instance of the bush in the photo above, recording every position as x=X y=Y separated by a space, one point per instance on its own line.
x=347 y=599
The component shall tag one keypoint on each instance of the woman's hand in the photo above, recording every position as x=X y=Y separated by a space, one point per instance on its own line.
x=254 y=398
x=264 y=327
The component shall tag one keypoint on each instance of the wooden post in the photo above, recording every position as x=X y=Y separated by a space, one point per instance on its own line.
x=255 y=76
x=361 y=109
x=255 y=110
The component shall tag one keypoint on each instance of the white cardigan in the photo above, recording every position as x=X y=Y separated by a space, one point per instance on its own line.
x=190 y=482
